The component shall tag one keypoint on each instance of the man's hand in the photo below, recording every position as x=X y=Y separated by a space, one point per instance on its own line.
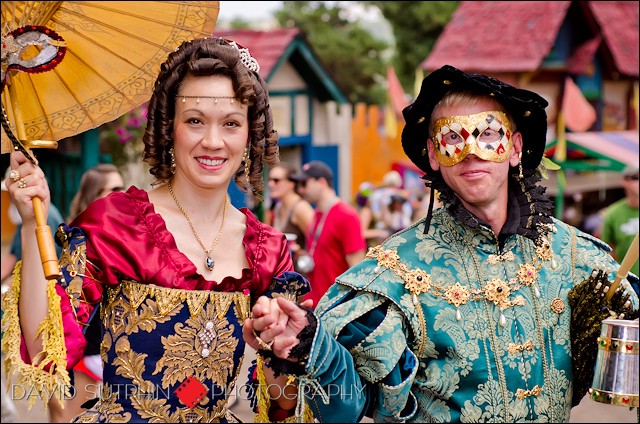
x=278 y=320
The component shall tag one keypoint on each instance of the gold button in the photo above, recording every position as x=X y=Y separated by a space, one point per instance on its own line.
x=492 y=94
x=421 y=120
x=527 y=113
x=446 y=82
x=557 y=305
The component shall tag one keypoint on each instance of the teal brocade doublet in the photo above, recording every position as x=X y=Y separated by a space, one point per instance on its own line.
x=504 y=355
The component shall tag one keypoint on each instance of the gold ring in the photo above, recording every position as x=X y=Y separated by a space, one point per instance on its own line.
x=22 y=183
x=14 y=175
x=261 y=343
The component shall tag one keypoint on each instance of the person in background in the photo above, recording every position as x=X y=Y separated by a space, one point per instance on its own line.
x=422 y=207
x=381 y=199
x=54 y=219
x=465 y=317
x=97 y=182
x=291 y=214
x=396 y=216
x=372 y=234
x=621 y=218
x=594 y=220
x=334 y=239
x=175 y=269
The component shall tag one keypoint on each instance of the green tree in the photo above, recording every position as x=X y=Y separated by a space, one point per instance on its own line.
x=239 y=23
x=350 y=54
x=416 y=27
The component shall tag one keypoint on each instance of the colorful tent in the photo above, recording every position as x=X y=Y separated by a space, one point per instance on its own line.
x=593 y=150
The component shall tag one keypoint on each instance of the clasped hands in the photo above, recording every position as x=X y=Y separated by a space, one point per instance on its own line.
x=275 y=325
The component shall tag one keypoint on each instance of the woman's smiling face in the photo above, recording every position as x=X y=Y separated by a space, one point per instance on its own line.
x=210 y=130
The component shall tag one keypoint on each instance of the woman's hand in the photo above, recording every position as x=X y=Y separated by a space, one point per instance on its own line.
x=278 y=321
x=28 y=182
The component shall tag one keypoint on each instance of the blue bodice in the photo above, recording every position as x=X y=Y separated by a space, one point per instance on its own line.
x=155 y=340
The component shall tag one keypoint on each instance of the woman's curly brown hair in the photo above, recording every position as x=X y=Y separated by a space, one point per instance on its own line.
x=205 y=57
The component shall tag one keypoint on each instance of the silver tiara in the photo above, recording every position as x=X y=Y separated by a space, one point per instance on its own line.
x=249 y=62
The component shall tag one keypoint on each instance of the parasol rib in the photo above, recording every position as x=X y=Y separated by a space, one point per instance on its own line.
x=148 y=19
x=79 y=59
x=77 y=99
x=14 y=6
x=28 y=14
x=46 y=115
x=128 y=34
x=124 y=59
x=51 y=8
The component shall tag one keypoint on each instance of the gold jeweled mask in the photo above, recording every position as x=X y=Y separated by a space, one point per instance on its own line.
x=486 y=134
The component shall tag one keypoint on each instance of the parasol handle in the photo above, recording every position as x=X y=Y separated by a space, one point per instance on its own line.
x=629 y=259
x=43 y=232
x=45 y=243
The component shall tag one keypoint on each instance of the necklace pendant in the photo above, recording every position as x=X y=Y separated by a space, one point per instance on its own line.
x=458 y=315
x=503 y=320
x=209 y=263
x=536 y=292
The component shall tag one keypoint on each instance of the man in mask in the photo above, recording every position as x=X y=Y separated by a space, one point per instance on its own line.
x=463 y=316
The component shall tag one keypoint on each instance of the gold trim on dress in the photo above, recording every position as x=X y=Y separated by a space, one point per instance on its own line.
x=53 y=347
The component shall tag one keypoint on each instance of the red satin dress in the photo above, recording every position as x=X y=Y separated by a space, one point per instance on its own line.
x=127 y=240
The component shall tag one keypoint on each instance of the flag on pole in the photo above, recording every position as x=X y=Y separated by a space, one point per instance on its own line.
x=575 y=114
x=396 y=101
x=560 y=154
x=579 y=114
x=635 y=103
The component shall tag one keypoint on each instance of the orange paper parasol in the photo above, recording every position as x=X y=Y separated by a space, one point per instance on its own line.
x=70 y=66
x=113 y=54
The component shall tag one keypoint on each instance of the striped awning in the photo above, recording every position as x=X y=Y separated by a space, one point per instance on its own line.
x=618 y=148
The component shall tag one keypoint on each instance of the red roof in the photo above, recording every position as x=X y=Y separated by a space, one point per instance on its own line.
x=582 y=56
x=618 y=22
x=516 y=36
x=267 y=47
x=476 y=39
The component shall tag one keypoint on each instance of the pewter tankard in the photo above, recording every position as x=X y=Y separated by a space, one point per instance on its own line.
x=615 y=381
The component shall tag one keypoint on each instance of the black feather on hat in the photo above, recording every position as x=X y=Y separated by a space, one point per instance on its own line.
x=526 y=107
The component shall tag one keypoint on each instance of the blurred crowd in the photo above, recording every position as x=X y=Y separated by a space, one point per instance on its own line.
x=388 y=208
x=328 y=235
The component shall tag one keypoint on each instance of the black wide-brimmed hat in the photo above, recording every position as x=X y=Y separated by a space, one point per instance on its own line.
x=526 y=107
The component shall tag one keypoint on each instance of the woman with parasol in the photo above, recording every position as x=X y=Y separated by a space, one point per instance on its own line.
x=176 y=269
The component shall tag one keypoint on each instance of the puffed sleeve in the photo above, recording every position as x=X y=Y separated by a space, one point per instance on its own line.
x=360 y=362
x=72 y=299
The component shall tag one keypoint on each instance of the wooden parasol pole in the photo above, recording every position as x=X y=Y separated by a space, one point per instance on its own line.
x=43 y=231
x=629 y=259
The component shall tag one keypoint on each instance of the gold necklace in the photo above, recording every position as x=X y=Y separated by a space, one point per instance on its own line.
x=497 y=291
x=208 y=262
